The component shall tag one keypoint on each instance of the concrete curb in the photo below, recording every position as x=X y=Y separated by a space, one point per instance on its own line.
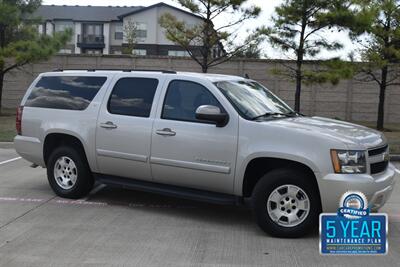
x=6 y=145
x=395 y=157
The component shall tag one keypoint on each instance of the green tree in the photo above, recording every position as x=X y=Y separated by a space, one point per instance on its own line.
x=378 y=34
x=20 y=42
x=204 y=41
x=130 y=34
x=300 y=28
x=252 y=51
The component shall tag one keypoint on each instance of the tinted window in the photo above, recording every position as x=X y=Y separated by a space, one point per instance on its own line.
x=65 y=92
x=133 y=97
x=183 y=98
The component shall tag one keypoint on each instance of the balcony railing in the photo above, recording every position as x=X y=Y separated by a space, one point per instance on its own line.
x=93 y=41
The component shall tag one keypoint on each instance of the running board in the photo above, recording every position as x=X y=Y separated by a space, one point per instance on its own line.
x=169 y=190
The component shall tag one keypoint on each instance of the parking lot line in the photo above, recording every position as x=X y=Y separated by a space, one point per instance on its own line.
x=10 y=160
x=84 y=202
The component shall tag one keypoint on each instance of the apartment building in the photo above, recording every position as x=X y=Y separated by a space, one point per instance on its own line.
x=100 y=29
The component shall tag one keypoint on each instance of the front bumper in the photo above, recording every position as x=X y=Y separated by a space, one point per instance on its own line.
x=377 y=188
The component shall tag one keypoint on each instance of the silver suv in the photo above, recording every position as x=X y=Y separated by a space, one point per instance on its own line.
x=208 y=137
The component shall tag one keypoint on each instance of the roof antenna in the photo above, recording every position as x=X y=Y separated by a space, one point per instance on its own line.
x=246 y=76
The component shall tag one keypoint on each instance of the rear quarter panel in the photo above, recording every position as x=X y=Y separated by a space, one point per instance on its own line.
x=37 y=123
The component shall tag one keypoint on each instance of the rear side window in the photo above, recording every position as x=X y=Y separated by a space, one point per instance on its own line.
x=133 y=97
x=65 y=92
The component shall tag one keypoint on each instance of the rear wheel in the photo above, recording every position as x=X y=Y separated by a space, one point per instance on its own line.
x=286 y=203
x=68 y=173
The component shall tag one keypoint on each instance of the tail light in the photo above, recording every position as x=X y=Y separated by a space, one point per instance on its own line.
x=18 y=121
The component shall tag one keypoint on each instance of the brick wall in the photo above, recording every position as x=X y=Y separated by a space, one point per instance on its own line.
x=349 y=100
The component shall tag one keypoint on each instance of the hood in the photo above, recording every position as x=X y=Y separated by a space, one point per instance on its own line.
x=352 y=135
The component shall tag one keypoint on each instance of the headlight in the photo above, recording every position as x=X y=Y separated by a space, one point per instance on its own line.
x=348 y=161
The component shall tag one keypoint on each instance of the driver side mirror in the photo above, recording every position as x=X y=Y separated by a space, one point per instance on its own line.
x=212 y=114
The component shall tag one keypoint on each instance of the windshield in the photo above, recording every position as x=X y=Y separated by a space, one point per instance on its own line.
x=251 y=99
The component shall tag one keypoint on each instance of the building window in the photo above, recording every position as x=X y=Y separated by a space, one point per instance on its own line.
x=119 y=35
x=63 y=25
x=139 y=52
x=65 y=51
x=141 y=30
x=93 y=30
x=176 y=53
x=119 y=32
x=216 y=52
x=135 y=30
x=41 y=28
x=93 y=51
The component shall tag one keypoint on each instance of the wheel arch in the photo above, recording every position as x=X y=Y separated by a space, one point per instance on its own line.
x=56 y=139
x=257 y=167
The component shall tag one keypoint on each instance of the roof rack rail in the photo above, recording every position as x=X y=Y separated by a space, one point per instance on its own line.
x=123 y=70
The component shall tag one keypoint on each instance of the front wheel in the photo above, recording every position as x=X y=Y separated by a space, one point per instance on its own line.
x=68 y=173
x=286 y=203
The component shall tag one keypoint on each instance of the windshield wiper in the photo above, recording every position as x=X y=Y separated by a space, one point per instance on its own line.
x=295 y=113
x=272 y=114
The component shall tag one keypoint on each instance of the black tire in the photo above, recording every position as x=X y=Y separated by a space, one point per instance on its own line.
x=273 y=180
x=84 y=181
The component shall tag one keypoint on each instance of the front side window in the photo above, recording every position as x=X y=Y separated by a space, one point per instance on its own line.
x=251 y=99
x=133 y=97
x=65 y=92
x=183 y=98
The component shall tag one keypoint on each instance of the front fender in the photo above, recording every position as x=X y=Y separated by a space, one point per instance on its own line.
x=241 y=168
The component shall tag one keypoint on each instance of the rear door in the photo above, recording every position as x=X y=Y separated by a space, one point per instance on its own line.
x=124 y=126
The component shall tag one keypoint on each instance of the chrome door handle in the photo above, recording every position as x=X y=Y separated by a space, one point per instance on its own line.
x=108 y=125
x=166 y=132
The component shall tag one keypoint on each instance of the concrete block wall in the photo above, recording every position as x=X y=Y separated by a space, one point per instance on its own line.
x=349 y=100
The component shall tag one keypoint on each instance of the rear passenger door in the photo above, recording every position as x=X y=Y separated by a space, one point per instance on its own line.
x=124 y=126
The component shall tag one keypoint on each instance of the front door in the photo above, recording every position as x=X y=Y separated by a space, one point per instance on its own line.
x=124 y=127
x=188 y=152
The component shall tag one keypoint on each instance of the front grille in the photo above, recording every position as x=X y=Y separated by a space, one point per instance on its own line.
x=379 y=167
x=378 y=159
x=377 y=151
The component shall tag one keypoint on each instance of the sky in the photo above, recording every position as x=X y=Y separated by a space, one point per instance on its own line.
x=267 y=7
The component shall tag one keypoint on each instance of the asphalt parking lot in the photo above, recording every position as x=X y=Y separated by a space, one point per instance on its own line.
x=119 y=227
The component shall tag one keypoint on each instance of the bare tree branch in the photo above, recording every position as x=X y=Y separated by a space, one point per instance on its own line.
x=207 y=35
x=313 y=31
x=232 y=24
x=371 y=74
x=16 y=65
x=287 y=66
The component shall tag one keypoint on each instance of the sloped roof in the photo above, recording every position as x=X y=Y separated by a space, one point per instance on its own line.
x=160 y=4
x=83 y=13
x=94 y=13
